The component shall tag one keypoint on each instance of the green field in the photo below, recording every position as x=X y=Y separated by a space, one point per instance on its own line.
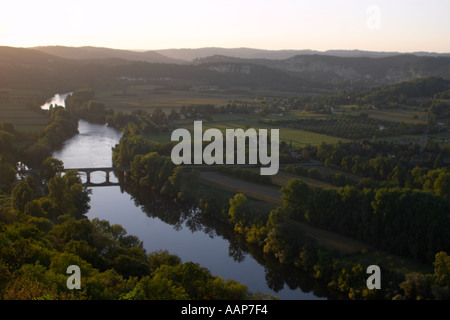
x=398 y=115
x=147 y=96
x=297 y=137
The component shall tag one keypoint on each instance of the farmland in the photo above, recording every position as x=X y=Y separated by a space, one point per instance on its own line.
x=302 y=121
x=17 y=107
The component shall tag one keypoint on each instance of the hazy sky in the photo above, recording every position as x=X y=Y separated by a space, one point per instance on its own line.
x=381 y=25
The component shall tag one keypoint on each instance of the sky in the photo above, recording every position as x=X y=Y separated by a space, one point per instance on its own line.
x=377 y=25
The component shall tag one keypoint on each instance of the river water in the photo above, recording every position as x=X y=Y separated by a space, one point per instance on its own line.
x=92 y=148
x=58 y=99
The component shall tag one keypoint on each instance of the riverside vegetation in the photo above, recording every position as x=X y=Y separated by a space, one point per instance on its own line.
x=44 y=229
x=398 y=206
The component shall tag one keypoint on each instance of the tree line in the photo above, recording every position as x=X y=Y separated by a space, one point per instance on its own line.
x=33 y=148
x=279 y=234
x=354 y=127
x=409 y=93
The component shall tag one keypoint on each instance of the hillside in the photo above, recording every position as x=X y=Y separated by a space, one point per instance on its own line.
x=190 y=55
x=10 y=56
x=361 y=71
x=105 y=53
x=30 y=69
x=68 y=68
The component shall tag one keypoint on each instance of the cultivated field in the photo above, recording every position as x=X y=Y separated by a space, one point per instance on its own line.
x=148 y=96
x=295 y=137
x=23 y=118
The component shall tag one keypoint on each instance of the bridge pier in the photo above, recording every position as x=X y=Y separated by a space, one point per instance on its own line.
x=88 y=171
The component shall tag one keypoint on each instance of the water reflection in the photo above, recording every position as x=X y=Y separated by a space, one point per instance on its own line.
x=166 y=224
x=180 y=215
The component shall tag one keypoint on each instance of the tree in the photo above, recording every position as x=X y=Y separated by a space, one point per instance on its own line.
x=276 y=216
x=7 y=175
x=442 y=185
x=162 y=257
x=8 y=147
x=188 y=190
x=79 y=195
x=21 y=195
x=296 y=196
x=156 y=288
x=415 y=287
x=158 y=116
x=57 y=192
x=51 y=167
x=239 y=209
x=68 y=196
x=398 y=175
x=151 y=170
x=33 y=208
x=441 y=274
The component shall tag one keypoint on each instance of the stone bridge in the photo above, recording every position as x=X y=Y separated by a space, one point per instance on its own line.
x=88 y=171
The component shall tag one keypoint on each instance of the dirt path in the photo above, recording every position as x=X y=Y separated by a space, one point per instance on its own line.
x=273 y=195
x=253 y=190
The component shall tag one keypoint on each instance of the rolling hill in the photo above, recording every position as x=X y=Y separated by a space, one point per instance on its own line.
x=359 y=71
x=191 y=55
x=64 y=68
x=95 y=53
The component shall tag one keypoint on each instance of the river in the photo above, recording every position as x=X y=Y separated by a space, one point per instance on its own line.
x=92 y=148
x=58 y=99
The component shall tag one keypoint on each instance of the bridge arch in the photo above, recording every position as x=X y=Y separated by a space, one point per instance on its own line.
x=88 y=171
x=106 y=170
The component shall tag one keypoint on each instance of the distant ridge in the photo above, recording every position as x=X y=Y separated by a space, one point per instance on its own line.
x=92 y=53
x=71 y=67
x=186 y=55
x=249 y=53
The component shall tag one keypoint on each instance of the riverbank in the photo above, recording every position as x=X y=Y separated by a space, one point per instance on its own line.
x=92 y=148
